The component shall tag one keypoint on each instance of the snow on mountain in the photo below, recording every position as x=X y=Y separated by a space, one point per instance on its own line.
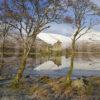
x=91 y=36
x=51 y=38
x=47 y=38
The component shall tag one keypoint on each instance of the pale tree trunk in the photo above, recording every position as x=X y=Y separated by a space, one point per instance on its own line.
x=69 y=74
x=2 y=55
x=22 y=66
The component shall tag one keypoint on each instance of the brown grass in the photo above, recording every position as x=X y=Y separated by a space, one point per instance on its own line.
x=47 y=87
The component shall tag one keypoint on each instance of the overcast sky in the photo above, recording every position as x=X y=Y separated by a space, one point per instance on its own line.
x=67 y=30
x=96 y=2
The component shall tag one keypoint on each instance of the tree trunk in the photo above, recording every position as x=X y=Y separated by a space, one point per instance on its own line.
x=27 y=47
x=2 y=55
x=69 y=74
x=22 y=66
x=21 y=69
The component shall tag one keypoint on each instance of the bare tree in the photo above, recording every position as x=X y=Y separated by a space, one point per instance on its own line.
x=82 y=18
x=30 y=17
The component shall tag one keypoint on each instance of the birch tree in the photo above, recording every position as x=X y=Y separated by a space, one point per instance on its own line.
x=82 y=19
x=29 y=18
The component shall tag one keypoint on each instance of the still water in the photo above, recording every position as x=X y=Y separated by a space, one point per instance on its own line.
x=85 y=64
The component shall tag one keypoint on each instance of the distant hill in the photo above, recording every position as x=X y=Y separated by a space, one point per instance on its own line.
x=51 y=38
x=88 y=42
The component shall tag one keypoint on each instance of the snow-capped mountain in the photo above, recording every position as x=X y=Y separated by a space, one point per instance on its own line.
x=91 y=36
x=51 y=38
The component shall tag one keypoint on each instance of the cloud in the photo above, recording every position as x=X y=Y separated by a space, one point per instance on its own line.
x=63 y=29
x=96 y=2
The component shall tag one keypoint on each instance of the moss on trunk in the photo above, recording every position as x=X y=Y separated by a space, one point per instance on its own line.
x=69 y=74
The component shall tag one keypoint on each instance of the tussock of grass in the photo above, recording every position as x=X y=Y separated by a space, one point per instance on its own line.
x=47 y=87
x=44 y=79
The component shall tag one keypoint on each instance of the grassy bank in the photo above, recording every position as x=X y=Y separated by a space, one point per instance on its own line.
x=46 y=88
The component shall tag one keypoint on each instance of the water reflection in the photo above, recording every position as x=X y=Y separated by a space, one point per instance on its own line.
x=41 y=59
x=87 y=64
